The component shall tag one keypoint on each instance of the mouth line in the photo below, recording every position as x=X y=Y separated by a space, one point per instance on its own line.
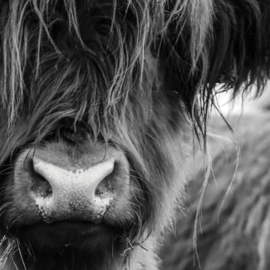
x=78 y=228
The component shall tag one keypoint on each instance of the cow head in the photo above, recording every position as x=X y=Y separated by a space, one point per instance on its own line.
x=99 y=103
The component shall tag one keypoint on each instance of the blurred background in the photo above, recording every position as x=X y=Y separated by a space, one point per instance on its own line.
x=250 y=104
x=224 y=221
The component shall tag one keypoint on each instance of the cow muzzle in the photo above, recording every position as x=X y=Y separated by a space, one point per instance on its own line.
x=64 y=188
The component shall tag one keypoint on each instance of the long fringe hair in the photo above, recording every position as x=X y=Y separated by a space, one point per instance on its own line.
x=198 y=44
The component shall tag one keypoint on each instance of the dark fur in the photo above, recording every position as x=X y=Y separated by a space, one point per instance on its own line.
x=136 y=75
x=233 y=231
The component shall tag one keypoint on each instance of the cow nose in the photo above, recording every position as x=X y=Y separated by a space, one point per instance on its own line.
x=73 y=193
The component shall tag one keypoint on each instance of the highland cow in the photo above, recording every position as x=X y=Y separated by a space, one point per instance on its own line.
x=233 y=228
x=100 y=104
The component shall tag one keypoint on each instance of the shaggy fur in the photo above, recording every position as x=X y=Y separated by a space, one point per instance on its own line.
x=233 y=231
x=133 y=75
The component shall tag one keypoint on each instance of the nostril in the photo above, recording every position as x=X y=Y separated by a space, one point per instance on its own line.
x=105 y=186
x=39 y=185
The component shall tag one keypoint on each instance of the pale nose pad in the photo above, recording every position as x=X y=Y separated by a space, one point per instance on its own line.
x=72 y=193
